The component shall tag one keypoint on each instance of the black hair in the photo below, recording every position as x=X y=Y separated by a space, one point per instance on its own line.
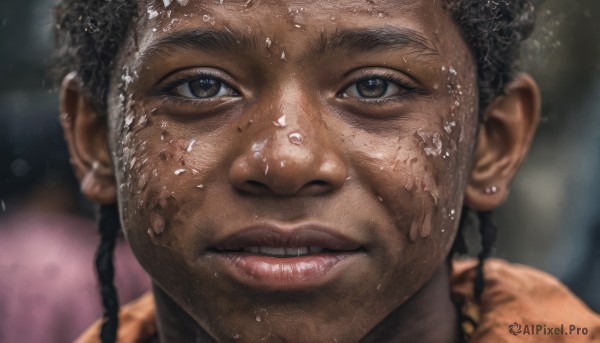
x=108 y=227
x=89 y=34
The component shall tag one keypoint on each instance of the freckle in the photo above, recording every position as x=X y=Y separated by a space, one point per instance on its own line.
x=164 y=155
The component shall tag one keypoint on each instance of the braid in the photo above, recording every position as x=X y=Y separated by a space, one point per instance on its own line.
x=108 y=225
x=487 y=230
x=460 y=244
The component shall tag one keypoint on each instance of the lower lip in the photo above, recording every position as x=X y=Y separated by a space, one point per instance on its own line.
x=290 y=273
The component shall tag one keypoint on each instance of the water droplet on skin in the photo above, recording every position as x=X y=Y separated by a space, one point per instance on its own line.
x=206 y=18
x=267 y=169
x=378 y=286
x=152 y=13
x=143 y=121
x=179 y=171
x=194 y=171
x=3 y=205
x=142 y=181
x=282 y=164
x=409 y=185
x=426 y=227
x=269 y=42
x=258 y=319
x=380 y=199
x=283 y=56
x=448 y=126
x=414 y=230
x=128 y=121
x=380 y=15
x=296 y=138
x=281 y=121
x=200 y=186
x=157 y=222
x=332 y=18
x=190 y=146
x=433 y=143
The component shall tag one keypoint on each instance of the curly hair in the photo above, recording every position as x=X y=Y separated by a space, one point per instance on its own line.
x=88 y=35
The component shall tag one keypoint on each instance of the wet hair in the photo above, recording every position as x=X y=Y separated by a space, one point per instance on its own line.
x=88 y=35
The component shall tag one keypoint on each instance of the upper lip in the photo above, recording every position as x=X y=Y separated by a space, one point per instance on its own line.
x=269 y=235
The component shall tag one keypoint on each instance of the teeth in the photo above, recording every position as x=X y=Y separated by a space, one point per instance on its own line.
x=284 y=252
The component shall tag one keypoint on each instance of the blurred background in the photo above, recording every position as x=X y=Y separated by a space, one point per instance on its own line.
x=551 y=221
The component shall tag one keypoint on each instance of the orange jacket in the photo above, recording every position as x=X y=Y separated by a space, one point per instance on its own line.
x=517 y=300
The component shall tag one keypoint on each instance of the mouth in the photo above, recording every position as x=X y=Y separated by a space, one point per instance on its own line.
x=293 y=258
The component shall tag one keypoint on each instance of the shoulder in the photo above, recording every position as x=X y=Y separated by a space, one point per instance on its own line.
x=520 y=296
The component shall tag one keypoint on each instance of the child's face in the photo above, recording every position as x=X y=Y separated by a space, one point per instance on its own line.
x=346 y=126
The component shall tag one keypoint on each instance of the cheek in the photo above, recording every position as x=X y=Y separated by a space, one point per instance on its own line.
x=164 y=177
x=420 y=181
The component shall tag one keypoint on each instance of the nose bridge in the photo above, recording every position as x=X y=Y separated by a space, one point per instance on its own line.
x=291 y=150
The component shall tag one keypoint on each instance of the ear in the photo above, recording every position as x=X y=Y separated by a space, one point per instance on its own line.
x=505 y=136
x=86 y=132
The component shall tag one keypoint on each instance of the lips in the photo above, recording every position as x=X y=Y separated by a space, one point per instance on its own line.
x=285 y=258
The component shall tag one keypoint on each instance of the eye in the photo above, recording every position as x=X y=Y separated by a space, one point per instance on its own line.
x=372 y=88
x=204 y=87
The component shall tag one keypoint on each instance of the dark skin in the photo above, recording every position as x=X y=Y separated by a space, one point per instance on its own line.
x=303 y=117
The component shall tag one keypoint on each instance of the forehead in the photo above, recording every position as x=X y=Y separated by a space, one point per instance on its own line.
x=292 y=22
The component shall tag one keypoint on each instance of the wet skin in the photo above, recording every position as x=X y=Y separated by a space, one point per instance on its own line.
x=361 y=170
x=343 y=125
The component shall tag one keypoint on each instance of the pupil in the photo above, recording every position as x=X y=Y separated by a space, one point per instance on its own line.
x=205 y=88
x=372 y=88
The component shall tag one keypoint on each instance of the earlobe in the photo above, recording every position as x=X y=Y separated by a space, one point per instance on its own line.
x=505 y=135
x=85 y=132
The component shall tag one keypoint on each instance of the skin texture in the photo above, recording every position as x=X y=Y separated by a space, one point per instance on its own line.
x=292 y=144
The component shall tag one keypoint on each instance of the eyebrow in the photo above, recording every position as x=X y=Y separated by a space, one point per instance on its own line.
x=229 y=41
x=219 y=41
x=375 y=39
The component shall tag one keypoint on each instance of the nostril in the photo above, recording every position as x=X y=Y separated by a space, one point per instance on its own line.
x=318 y=183
x=253 y=185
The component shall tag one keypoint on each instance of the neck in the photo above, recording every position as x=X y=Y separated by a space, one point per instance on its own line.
x=174 y=324
x=428 y=316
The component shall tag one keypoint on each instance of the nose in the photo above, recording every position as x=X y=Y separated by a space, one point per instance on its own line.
x=291 y=154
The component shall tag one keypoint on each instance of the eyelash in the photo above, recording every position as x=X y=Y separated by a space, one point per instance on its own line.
x=406 y=88
x=168 y=91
